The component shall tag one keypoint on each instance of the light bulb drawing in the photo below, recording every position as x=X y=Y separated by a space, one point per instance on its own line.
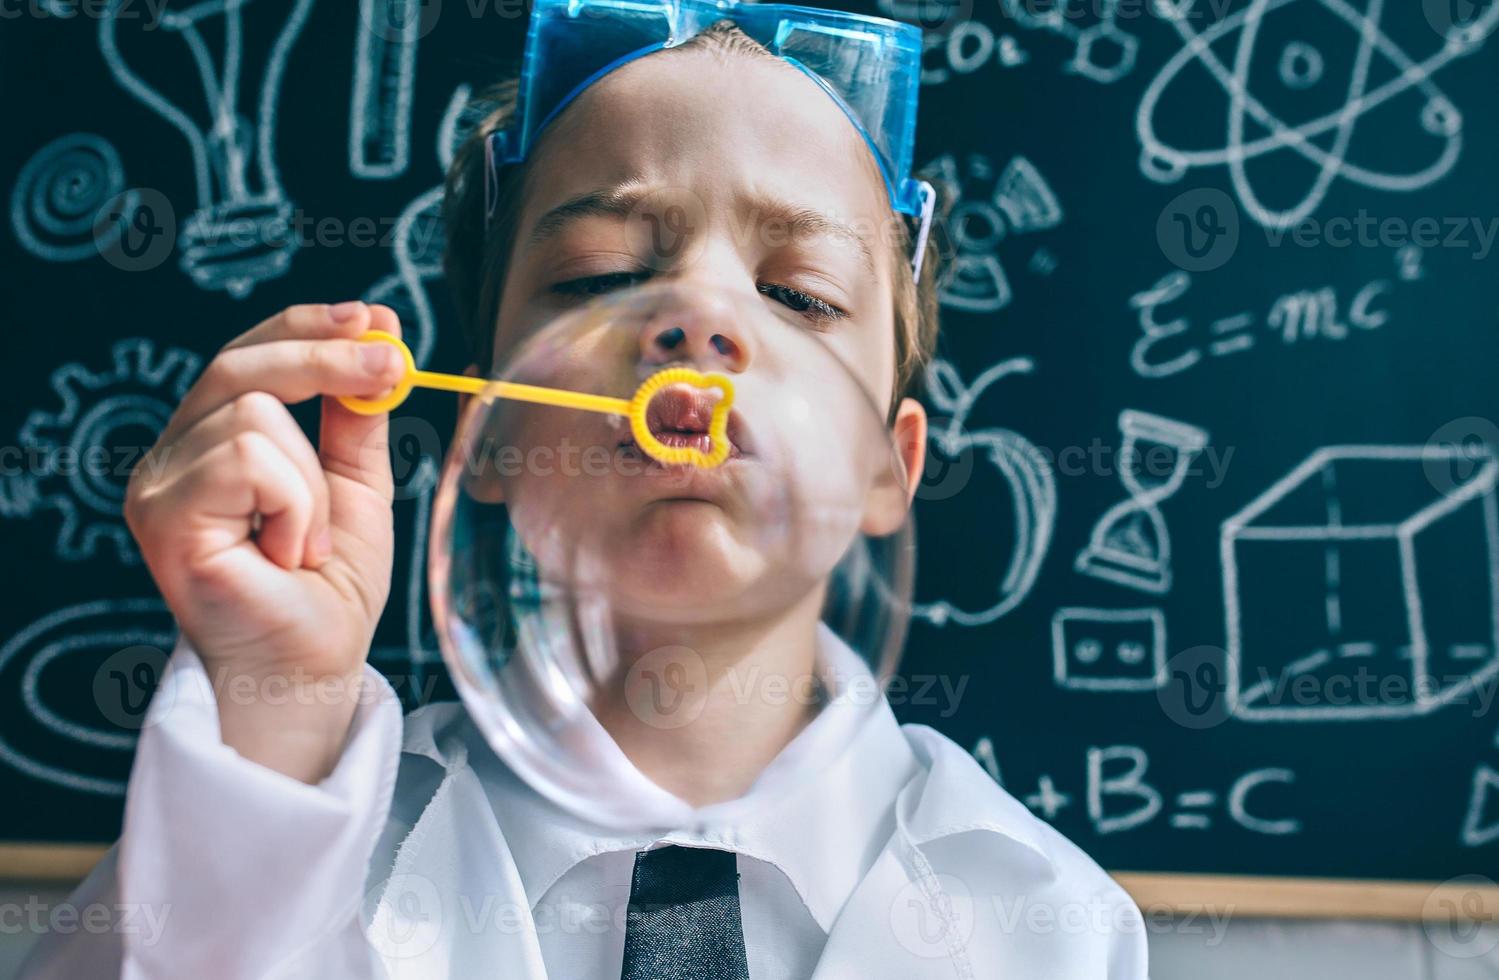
x=241 y=231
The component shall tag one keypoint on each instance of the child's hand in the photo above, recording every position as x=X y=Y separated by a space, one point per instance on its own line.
x=275 y=556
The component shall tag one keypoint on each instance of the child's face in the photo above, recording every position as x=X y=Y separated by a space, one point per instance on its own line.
x=738 y=181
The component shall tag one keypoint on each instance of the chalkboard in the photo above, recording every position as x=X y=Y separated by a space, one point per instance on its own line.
x=1209 y=569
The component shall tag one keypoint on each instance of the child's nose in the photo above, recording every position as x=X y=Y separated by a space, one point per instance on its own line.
x=706 y=341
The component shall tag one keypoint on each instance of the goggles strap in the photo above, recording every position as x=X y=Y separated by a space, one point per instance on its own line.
x=928 y=205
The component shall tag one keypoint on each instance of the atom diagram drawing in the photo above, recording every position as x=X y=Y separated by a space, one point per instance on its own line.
x=1301 y=65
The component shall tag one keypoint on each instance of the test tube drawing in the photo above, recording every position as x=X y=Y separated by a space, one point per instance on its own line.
x=384 y=84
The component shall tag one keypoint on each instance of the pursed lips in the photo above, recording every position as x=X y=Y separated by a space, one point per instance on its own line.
x=679 y=416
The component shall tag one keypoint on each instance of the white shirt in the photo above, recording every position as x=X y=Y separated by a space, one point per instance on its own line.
x=798 y=860
x=865 y=850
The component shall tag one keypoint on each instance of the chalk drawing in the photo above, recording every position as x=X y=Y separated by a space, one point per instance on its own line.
x=1295 y=318
x=408 y=661
x=77 y=642
x=1324 y=140
x=1130 y=544
x=1129 y=785
x=1238 y=802
x=964 y=47
x=463 y=113
x=419 y=236
x=1120 y=798
x=1018 y=201
x=1028 y=474
x=983 y=753
x=55 y=205
x=1120 y=794
x=79 y=456
x=1108 y=649
x=1102 y=51
x=240 y=233
x=418 y=258
x=384 y=82
x=1047 y=801
x=1355 y=566
x=1481 y=821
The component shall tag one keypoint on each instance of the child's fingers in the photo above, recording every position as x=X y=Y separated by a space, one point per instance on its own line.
x=211 y=505
x=357 y=446
x=309 y=321
x=262 y=413
x=291 y=370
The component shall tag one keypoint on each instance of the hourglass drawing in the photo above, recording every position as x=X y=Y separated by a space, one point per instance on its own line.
x=1130 y=544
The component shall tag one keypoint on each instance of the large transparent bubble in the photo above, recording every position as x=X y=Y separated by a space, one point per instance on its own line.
x=585 y=593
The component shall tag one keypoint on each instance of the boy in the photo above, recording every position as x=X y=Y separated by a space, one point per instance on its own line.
x=292 y=837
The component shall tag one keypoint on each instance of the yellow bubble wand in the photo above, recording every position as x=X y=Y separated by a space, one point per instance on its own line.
x=632 y=408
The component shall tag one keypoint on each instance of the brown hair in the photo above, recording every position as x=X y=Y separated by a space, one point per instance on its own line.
x=476 y=250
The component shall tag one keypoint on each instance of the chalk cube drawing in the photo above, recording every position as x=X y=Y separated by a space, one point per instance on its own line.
x=1108 y=649
x=1364 y=584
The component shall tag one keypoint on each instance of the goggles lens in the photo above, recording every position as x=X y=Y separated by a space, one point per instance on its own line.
x=870 y=66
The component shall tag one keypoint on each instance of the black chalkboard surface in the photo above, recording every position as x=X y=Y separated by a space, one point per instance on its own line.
x=1210 y=542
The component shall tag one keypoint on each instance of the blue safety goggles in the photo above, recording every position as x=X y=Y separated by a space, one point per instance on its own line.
x=870 y=66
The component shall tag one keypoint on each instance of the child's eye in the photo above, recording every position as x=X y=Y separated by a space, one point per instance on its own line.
x=600 y=284
x=816 y=309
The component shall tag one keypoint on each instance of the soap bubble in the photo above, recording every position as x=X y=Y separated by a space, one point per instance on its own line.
x=593 y=603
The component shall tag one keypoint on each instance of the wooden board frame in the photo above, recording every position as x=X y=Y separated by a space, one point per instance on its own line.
x=1247 y=896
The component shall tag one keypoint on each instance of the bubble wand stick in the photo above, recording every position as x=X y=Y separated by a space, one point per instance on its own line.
x=632 y=408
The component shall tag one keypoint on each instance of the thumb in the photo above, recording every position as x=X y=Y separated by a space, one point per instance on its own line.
x=354 y=449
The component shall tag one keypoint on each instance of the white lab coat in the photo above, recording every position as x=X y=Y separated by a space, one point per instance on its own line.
x=404 y=870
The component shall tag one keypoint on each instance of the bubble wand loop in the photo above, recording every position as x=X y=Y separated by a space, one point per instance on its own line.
x=633 y=408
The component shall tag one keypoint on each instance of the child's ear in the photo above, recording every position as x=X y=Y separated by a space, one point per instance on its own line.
x=894 y=487
x=485 y=486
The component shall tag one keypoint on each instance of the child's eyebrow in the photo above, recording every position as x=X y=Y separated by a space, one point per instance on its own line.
x=620 y=202
x=615 y=202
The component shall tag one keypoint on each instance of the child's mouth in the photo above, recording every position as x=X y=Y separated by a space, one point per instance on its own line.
x=679 y=417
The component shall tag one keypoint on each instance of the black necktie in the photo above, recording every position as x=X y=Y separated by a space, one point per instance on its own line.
x=683 y=921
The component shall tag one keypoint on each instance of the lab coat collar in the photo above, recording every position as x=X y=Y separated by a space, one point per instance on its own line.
x=954 y=795
x=824 y=828
x=850 y=762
